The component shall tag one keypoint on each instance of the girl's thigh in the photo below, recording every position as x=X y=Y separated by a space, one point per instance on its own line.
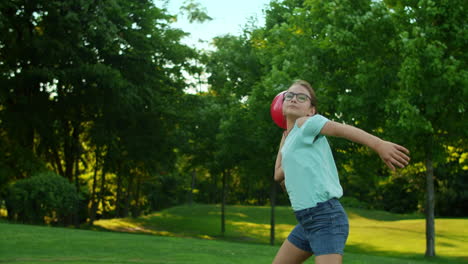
x=290 y=254
x=329 y=259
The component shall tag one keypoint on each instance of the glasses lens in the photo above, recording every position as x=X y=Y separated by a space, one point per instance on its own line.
x=288 y=96
x=301 y=98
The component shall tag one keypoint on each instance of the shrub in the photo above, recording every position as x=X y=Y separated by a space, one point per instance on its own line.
x=352 y=202
x=398 y=196
x=45 y=194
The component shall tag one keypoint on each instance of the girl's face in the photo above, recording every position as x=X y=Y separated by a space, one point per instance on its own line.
x=294 y=104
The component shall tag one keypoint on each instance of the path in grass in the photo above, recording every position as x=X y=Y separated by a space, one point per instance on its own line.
x=21 y=244
x=372 y=232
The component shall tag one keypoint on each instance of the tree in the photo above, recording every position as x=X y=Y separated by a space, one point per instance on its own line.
x=96 y=77
x=430 y=105
x=388 y=71
x=234 y=69
x=312 y=40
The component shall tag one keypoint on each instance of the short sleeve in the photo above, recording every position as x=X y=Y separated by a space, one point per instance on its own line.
x=314 y=125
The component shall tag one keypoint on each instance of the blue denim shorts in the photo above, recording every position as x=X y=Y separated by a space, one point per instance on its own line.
x=322 y=229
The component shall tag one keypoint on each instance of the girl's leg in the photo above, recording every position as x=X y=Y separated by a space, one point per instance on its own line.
x=329 y=259
x=290 y=254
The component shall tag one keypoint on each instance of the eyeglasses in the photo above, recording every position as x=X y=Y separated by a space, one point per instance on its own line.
x=301 y=97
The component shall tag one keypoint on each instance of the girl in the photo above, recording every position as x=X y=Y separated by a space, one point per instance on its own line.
x=305 y=163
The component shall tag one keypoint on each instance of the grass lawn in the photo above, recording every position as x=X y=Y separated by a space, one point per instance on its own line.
x=23 y=244
x=371 y=232
x=376 y=237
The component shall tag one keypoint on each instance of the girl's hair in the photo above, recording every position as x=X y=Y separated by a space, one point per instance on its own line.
x=309 y=88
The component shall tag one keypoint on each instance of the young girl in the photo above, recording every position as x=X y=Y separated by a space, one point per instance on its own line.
x=305 y=163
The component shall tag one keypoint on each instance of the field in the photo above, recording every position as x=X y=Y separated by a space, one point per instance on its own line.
x=187 y=234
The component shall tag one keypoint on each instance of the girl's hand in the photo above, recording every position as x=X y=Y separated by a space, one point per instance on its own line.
x=283 y=185
x=393 y=154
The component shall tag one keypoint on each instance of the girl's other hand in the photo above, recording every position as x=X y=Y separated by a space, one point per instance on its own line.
x=393 y=154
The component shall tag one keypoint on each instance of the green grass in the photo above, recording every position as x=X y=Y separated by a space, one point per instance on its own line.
x=34 y=244
x=376 y=237
x=372 y=232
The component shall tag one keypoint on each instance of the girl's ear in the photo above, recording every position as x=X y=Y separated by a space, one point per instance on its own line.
x=312 y=111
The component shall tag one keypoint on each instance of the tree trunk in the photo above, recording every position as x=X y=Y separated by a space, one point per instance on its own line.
x=118 y=197
x=128 y=197
x=213 y=192
x=272 y=217
x=76 y=214
x=92 y=213
x=58 y=163
x=102 y=191
x=68 y=153
x=192 y=187
x=223 y=203
x=71 y=149
x=430 y=197
x=136 y=208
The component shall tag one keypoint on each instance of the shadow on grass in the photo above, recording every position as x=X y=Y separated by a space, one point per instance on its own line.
x=383 y=215
x=369 y=250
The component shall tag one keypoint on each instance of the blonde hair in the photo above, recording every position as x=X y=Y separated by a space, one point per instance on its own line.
x=305 y=84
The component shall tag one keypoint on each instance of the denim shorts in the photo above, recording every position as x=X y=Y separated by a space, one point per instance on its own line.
x=322 y=229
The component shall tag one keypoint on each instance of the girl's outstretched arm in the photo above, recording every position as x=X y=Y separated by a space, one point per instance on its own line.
x=391 y=153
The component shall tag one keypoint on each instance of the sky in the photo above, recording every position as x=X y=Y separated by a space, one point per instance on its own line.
x=228 y=18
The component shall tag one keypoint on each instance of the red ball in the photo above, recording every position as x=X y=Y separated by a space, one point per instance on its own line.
x=276 y=110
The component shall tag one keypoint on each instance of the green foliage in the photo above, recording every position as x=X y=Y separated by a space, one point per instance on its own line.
x=43 y=195
x=397 y=196
x=432 y=76
x=351 y=202
x=372 y=64
x=194 y=12
x=452 y=184
x=90 y=87
x=98 y=87
x=160 y=196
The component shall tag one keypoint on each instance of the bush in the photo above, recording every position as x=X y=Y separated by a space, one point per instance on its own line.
x=451 y=191
x=43 y=195
x=352 y=202
x=398 y=196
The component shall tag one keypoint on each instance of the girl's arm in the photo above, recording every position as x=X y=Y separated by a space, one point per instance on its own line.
x=279 y=173
x=391 y=153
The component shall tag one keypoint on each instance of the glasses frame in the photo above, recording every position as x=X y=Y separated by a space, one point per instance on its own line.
x=296 y=95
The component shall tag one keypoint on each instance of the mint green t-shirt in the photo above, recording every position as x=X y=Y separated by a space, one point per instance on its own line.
x=309 y=168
